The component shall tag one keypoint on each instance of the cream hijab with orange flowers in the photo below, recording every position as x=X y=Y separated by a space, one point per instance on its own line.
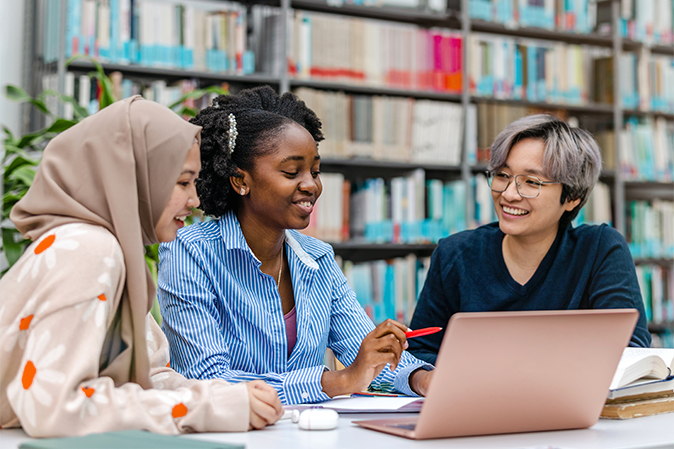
x=115 y=169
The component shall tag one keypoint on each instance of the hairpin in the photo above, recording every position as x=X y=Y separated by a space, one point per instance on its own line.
x=232 y=133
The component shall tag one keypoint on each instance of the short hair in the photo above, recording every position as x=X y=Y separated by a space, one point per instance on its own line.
x=571 y=156
x=261 y=116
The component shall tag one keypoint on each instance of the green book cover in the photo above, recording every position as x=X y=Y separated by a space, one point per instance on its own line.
x=126 y=439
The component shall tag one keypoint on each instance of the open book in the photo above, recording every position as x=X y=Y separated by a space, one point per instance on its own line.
x=643 y=363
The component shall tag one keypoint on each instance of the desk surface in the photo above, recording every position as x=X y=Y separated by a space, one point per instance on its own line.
x=647 y=432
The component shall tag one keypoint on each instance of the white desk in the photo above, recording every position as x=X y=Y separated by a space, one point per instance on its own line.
x=648 y=432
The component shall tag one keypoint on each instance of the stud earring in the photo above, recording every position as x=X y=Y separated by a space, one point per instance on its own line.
x=243 y=191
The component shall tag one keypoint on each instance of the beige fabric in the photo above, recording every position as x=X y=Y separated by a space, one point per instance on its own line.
x=115 y=169
x=56 y=305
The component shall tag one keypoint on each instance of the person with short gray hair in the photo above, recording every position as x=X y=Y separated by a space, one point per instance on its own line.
x=541 y=173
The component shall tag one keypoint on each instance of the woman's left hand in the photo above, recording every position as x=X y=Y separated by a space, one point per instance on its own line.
x=420 y=380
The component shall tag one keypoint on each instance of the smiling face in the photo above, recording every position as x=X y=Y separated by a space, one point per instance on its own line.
x=524 y=217
x=282 y=188
x=183 y=198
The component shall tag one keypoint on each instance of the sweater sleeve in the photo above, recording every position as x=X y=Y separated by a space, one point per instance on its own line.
x=615 y=285
x=57 y=390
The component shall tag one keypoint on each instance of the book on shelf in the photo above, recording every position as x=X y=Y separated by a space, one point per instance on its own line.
x=534 y=70
x=202 y=36
x=388 y=128
x=368 y=52
x=657 y=291
x=650 y=228
x=647 y=149
x=388 y=288
x=86 y=91
x=643 y=363
x=597 y=209
x=491 y=118
x=648 y=21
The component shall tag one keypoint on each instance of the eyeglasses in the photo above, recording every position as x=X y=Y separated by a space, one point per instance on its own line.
x=527 y=186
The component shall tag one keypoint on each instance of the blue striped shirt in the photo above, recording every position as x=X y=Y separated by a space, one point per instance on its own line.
x=223 y=316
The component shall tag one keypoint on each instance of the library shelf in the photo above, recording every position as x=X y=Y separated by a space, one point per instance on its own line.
x=656 y=49
x=645 y=190
x=666 y=261
x=363 y=167
x=375 y=90
x=357 y=251
x=644 y=113
x=449 y=19
x=661 y=328
x=174 y=74
x=586 y=108
x=569 y=37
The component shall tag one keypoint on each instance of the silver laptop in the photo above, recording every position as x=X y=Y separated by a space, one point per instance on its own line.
x=508 y=372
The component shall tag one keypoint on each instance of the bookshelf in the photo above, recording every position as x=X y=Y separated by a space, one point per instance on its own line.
x=455 y=19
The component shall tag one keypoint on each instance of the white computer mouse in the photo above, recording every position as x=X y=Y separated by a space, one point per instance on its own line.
x=318 y=419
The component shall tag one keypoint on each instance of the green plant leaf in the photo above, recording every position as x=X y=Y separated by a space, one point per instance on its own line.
x=12 y=249
x=28 y=139
x=15 y=93
x=60 y=125
x=186 y=111
x=10 y=136
x=107 y=97
x=24 y=174
x=19 y=162
x=198 y=93
x=78 y=110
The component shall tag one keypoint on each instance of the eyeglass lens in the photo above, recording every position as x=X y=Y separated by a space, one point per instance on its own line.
x=527 y=186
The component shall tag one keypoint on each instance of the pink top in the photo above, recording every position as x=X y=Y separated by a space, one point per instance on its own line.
x=291 y=329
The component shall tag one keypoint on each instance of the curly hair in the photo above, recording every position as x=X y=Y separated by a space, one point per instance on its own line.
x=261 y=117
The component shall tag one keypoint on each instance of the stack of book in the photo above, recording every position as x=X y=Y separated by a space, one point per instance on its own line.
x=643 y=384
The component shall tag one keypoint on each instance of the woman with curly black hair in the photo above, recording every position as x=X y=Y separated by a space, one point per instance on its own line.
x=245 y=296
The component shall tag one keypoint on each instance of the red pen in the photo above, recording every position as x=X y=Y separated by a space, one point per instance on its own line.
x=422 y=332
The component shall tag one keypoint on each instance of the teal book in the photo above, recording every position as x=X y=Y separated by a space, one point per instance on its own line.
x=126 y=439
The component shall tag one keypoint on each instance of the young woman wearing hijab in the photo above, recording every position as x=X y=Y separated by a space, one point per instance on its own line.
x=541 y=173
x=80 y=352
x=246 y=296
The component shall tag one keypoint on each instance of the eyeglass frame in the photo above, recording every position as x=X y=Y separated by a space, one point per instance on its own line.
x=488 y=173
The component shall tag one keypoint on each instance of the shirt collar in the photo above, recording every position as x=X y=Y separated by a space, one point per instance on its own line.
x=233 y=238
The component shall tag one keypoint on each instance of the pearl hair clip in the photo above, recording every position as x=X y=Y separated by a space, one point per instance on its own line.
x=232 y=133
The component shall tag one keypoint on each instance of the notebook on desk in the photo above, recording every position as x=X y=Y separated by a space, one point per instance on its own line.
x=508 y=372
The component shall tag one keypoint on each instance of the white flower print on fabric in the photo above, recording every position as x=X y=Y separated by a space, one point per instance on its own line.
x=46 y=250
x=19 y=329
x=86 y=399
x=99 y=307
x=174 y=405
x=24 y=392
